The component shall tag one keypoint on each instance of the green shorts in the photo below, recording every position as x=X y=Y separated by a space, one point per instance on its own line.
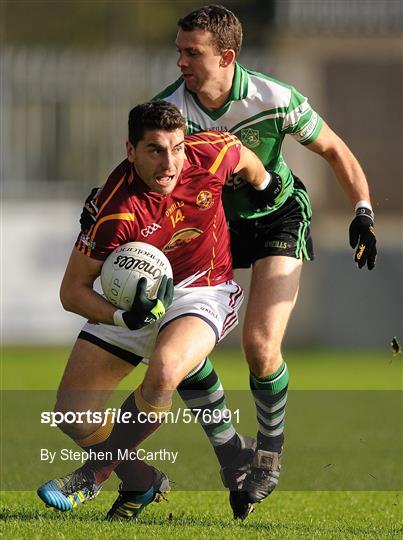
x=284 y=232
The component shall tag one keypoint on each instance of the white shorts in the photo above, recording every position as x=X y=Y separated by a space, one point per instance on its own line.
x=218 y=306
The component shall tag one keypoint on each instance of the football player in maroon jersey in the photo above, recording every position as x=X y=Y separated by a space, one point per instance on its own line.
x=169 y=186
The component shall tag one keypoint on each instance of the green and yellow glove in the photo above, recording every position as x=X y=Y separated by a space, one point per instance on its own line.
x=145 y=311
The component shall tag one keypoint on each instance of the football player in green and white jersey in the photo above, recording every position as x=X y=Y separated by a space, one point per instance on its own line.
x=215 y=92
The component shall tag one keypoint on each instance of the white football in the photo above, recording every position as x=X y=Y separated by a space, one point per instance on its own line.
x=126 y=265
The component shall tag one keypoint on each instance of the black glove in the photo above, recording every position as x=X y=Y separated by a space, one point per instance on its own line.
x=362 y=236
x=267 y=197
x=90 y=210
x=145 y=311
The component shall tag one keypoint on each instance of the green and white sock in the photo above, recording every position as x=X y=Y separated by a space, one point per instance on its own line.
x=202 y=391
x=270 y=395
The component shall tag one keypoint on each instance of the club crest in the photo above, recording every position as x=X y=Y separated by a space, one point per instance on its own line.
x=204 y=200
x=250 y=137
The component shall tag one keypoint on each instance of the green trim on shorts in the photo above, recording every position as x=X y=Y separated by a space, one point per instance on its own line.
x=302 y=199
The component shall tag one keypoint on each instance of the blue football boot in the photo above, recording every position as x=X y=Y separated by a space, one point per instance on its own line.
x=70 y=491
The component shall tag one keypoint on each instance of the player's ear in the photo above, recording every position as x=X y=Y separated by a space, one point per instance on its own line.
x=130 y=151
x=227 y=57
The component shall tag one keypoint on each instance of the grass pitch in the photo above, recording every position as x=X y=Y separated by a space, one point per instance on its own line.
x=197 y=515
x=286 y=514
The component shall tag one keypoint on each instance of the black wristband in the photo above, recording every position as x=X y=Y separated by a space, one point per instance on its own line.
x=363 y=211
x=268 y=195
x=276 y=184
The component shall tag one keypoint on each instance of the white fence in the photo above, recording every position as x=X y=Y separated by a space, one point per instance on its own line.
x=64 y=113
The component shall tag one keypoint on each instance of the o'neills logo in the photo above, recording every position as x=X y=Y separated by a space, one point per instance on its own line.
x=180 y=238
x=131 y=263
x=204 y=200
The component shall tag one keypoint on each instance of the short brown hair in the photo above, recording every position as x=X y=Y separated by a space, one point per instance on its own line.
x=220 y=21
x=154 y=115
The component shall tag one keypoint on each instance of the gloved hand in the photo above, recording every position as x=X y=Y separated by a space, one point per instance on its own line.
x=362 y=236
x=90 y=210
x=145 y=311
x=267 y=196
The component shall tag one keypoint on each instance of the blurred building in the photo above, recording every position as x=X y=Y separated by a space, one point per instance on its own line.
x=63 y=127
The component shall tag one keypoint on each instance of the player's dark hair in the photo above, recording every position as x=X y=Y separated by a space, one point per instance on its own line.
x=224 y=26
x=154 y=115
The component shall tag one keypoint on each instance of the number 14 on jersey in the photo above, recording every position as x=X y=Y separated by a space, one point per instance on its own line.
x=177 y=217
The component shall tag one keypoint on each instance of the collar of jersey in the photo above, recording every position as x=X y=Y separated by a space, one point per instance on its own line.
x=239 y=91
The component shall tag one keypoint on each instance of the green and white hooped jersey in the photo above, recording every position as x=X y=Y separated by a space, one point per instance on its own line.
x=260 y=111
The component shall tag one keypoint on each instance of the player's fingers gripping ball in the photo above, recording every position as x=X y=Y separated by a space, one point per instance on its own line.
x=137 y=277
x=165 y=296
x=362 y=237
x=145 y=311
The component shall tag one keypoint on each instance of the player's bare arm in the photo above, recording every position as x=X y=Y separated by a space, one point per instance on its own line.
x=250 y=168
x=77 y=293
x=353 y=181
x=268 y=184
x=344 y=164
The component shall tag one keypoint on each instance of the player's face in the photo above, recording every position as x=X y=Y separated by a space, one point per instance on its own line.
x=199 y=62
x=158 y=158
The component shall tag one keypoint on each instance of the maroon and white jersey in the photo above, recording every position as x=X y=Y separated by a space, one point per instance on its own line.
x=188 y=225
